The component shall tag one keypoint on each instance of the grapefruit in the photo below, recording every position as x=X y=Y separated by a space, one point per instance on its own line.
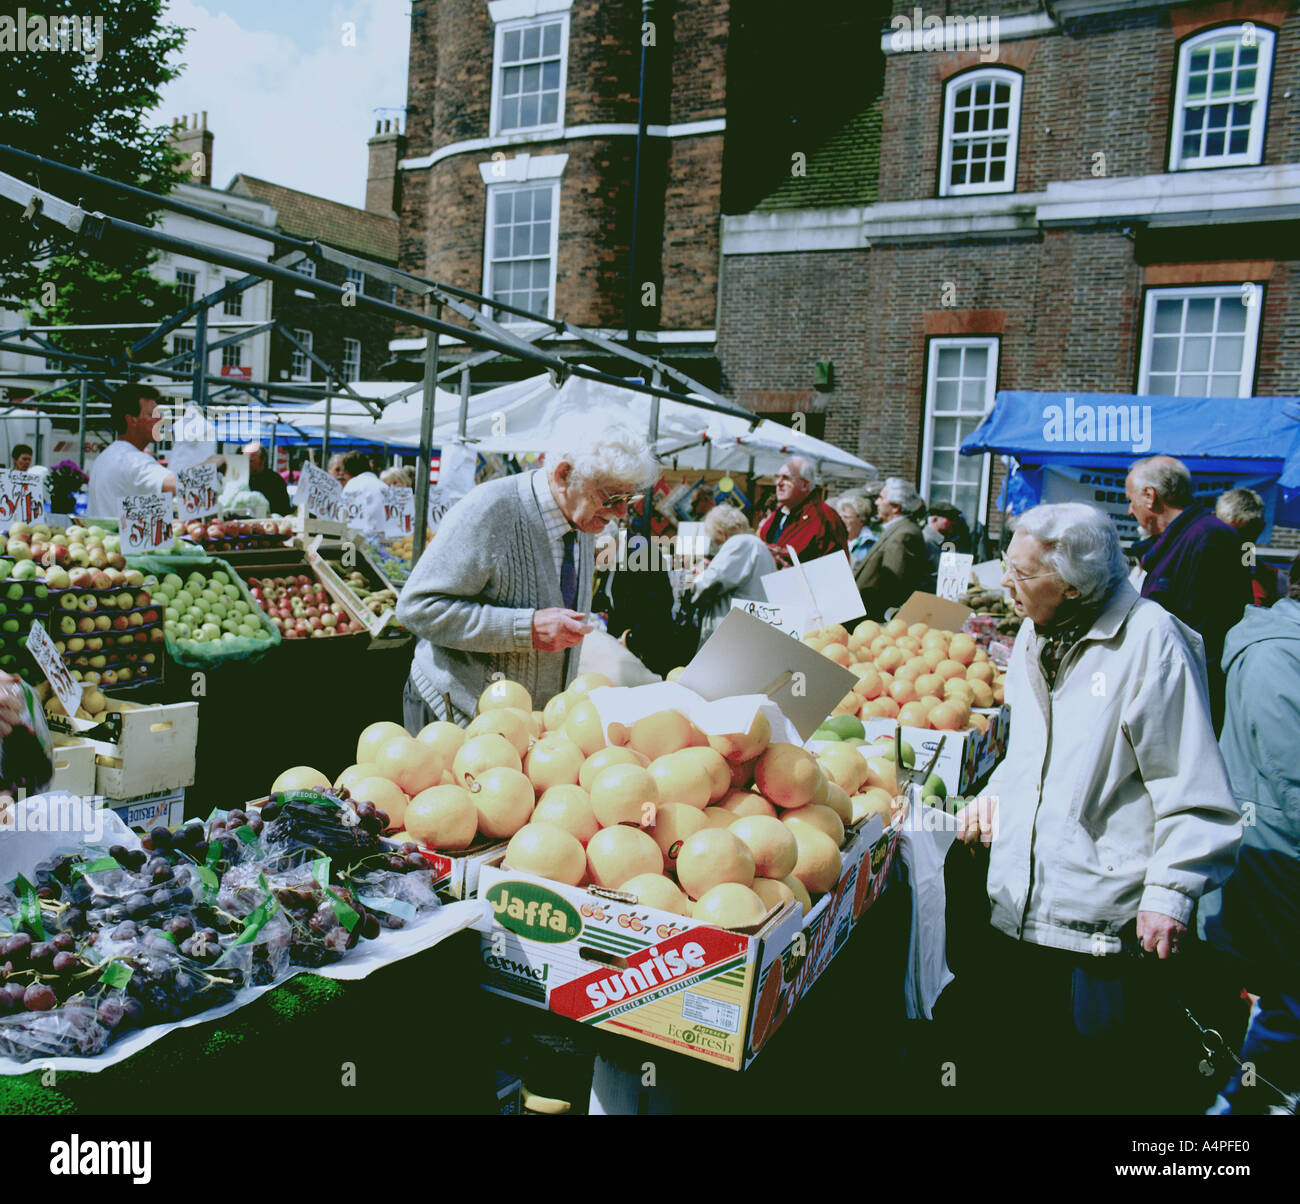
x=661 y=733
x=624 y=794
x=617 y=854
x=869 y=685
x=554 y=711
x=355 y=773
x=771 y=843
x=710 y=857
x=515 y=725
x=981 y=693
x=740 y=803
x=881 y=772
x=681 y=779
x=820 y=817
x=838 y=801
x=674 y=823
x=413 y=766
x=844 y=766
x=715 y=765
x=729 y=904
x=583 y=726
x=962 y=648
x=603 y=758
x=584 y=683
x=568 y=807
x=553 y=761
x=774 y=893
x=891 y=658
x=548 y=851
x=914 y=714
x=720 y=817
x=502 y=693
x=950 y=668
x=787 y=775
x=443 y=736
x=481 y=753
x=949 y=717
x=873 y=800
x=387 y=797
x=504 y=799
x=800 y=892
x=980 y=671
x=837 y=653
x=819 y=863
x=742 y=773
x=656 y=890
x=744 y=746
x=373 y=736
x=927 y=684
x=443 y=817
x=301 y=777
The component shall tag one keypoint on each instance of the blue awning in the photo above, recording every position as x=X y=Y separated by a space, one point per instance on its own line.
x=1247 y=435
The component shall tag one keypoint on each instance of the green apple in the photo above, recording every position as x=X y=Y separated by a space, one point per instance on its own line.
x=210 y=596
x=934 y=788
x=41 y=591
x=14 y=592
x=198 y=635
x=171 y=613
x=246 y=631
x=211 y=630
x=10 y=625
x=241 y=608
x=6 y=568
x=220 y=578
x=229 y=625
x=173 y=582
x=183 y=599
x=825 y=733
x=202 y=605
x=229 y=635
x=26 y=609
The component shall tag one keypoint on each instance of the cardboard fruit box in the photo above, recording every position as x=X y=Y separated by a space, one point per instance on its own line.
x=139 y=749
x=456 y=873
x=718 y=995
x=384 y=631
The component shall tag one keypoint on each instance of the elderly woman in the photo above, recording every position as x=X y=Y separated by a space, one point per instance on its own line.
x=857 y=509
x=1109 y=817
x=740 y=562
x=504 y=588
x=898 y=563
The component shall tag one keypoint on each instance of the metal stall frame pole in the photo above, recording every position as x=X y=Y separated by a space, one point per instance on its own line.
x=325 y=440
x=653 y=434
x=200 y=388
x=424 y=462
x=81 y=426
x=462 y=422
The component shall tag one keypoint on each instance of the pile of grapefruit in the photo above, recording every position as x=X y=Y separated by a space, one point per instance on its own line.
x=920 y=675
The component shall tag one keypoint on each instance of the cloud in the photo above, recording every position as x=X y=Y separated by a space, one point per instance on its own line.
x=295 y=106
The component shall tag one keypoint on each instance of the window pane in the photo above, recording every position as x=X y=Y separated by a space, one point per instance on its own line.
x=1197 y=86
x=969 y=469
x=947 y=433
x=1232 y=315
x=542 y=203
x=1200 y=314
x=533 y=42
x=510 y=114
x=1248 y=55
x=1196 y=355
x=542 y=238
x=1164 y=355
x=528 y=111
x=949 y=361
x=551 y=75
x=977 y=172
x=943 y=464
x=972 y=396
x=1225 y=386
x=532 y=78
x=961 y=121
x=977 y=361
x=511 y=81
x=980 y=119
x=1227 y=353
x=551 y=40
x=550 y=108
x=1201 y=59
x=505 y=208
x=1246 y=80
x=1002 y=94
x=1194 y=386
x=510 y=46
x=1239 y=142
x=1162 y=385
x=982 y=90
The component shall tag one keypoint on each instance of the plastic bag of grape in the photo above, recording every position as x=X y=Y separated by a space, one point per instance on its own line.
x=33 y=1025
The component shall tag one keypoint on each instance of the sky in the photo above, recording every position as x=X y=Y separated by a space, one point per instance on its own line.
x=287 y=100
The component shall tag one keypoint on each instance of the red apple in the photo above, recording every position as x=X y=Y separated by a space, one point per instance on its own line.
x=150 y=616
x=156 y=635
x=141 y=637
x=120 y=624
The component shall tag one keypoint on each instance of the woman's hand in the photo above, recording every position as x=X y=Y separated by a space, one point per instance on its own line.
x=12 y=706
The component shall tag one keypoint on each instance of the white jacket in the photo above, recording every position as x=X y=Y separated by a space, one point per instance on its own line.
x=1113 y=797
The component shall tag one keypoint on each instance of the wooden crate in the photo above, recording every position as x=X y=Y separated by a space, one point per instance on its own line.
x=74 y=766
x=143 y=749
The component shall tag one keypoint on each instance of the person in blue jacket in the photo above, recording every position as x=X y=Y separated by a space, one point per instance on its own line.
x=1255 y=915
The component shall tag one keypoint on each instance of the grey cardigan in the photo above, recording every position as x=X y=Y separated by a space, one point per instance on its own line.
x=471 y=597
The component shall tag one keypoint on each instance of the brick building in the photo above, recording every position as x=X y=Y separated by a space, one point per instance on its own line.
x=1109 y=201
x=518 y=174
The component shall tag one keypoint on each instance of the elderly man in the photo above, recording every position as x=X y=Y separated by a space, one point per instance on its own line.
x=1193 y=562
x=1109 y=817
x=262 y=480
x=1243 y=511
x=898 y=563
x=504 y=587
x=363 y=492
x=801 y=522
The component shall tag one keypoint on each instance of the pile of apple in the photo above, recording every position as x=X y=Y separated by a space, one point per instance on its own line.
x=223 y=535
x=922 y=676
x=207 y=609
x=300 y=608
x=38 y=552
x=106 y=626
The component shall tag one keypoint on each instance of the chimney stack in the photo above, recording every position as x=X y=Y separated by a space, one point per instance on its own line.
x=383 y=180
x=194 y=140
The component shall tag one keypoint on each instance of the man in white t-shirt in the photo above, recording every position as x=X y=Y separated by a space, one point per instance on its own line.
x=124 y=467
x=362 y=487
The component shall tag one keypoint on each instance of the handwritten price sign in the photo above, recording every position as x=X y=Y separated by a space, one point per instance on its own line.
x=322 y=494
x=145 y=522
x=954 y=574
x=22 y=496
x=56 y=672
x=784 y=618
x=399 y=511
x=197 y=491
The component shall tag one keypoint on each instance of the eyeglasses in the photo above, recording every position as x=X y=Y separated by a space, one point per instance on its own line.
x=1017 y=575
x=613 y=500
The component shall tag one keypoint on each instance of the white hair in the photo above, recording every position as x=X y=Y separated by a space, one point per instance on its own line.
x=1169 y=478
x=901 y=494
x=615 y=455
x=725 y=520
x=806 y=469
x=860 y=503
x=252 y=448
x=1080 y=546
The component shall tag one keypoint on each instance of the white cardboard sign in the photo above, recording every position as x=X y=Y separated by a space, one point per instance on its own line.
x=22 y=496
x=399 y=511
x=320 y=492
x=790 y=619
x=56 y=672
x=198 y=491
x=824 y=588
x=145 y=522
x=954 y=574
